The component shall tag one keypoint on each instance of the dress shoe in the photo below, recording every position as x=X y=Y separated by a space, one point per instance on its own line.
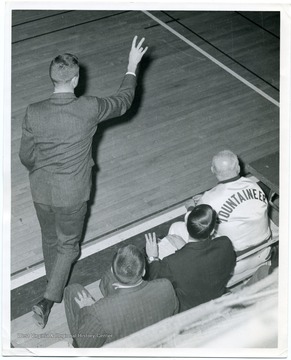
x=41 y=312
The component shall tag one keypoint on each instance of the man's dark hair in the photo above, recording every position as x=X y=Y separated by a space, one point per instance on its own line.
x=128 y=264
x=63 y=68
x=201 y=222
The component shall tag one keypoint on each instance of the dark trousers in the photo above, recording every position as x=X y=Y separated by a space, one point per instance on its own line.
x=61 y=229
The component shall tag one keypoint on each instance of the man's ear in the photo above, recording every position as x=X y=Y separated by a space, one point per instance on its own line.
x=212 y=169
x=75 y=81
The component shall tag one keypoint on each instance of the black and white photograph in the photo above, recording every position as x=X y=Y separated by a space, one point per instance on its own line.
x=147 y=179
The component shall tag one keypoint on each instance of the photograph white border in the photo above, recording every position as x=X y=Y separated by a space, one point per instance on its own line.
x=285 y=109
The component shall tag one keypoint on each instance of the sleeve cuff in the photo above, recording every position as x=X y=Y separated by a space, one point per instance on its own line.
x=130 y=73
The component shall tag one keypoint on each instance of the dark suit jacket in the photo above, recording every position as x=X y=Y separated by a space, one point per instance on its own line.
x=199 y=271
x=126 y=311
x=57 y=139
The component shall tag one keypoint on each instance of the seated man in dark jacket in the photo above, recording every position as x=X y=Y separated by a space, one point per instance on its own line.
x=201 y=268
x=129 y=304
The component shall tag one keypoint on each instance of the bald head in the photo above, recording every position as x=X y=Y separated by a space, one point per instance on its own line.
x=225 y=165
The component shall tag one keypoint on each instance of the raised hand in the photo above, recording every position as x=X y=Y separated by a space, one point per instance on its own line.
x=136 y=54
x=151 y=245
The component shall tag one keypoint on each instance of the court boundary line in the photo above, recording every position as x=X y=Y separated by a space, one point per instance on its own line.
x=220 y=50
x=69 y=27
x=211 y=58
x=258 y=25
x=41 y=18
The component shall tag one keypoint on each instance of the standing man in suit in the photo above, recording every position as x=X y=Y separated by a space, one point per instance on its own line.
x=56 y=149
x=129 y=304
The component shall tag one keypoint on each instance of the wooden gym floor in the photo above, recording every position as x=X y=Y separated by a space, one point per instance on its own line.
x=187 y=107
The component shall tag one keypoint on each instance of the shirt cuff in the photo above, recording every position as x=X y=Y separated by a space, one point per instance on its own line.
x=130 y=73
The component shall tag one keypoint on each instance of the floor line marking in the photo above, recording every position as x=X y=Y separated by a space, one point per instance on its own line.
x=224 y=67
x=103 y=244
x=68 y=27
x=41 y=18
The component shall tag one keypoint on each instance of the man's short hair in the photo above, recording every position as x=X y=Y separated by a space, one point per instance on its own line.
x=201 y=222
x=225 y=163
x=63 y=68
x=128 y=264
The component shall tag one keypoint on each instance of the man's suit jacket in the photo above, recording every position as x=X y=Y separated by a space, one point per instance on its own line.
x=125 y=311
x=199 y=271
x=57 y=139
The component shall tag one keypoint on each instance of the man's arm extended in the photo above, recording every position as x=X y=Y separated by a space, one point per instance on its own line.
x=118 y=104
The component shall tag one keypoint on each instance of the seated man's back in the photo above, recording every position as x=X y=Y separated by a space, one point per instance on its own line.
x=242 y=210
x=130 y=310
x=200 y=270
x=129 y=303
x=239 y=202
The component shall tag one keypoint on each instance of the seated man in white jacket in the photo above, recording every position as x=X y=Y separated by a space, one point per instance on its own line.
x=242 y=210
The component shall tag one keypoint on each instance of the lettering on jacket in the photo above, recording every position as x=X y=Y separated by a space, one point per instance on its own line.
x=237 y=199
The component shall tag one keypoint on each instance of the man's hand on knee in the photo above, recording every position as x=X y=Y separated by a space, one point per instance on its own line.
x=84 y=299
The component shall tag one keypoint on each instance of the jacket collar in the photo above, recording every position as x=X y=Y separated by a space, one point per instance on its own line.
x=229 y=180
x=64 y=95
x=197 y=244
x=126 y=290
x=118 y=285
